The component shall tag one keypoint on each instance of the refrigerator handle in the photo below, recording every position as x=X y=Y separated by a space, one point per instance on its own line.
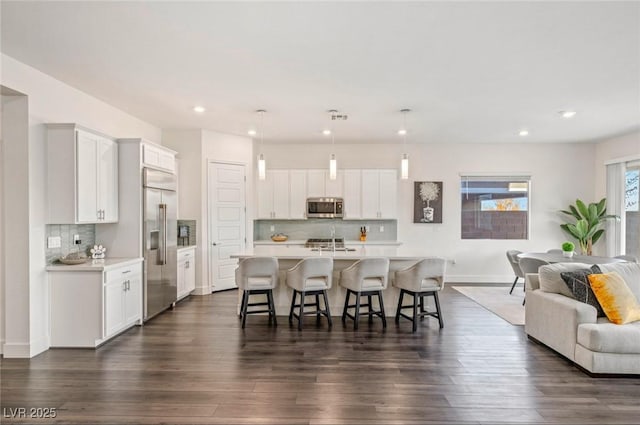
x=163 y=237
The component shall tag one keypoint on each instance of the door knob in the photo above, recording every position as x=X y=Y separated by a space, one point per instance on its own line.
x=214 y=244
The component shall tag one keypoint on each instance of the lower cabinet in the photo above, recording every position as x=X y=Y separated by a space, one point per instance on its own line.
x=122 y=300
x=186 y=271
x=88 y=307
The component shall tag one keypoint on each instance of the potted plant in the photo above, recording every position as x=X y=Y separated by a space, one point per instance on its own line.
x=429 y=191
x=586 y=222
x=567 y=249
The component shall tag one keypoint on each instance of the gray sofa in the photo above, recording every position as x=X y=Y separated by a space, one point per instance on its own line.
x=556 y=319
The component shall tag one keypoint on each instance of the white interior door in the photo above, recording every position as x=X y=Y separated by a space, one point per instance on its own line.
x=226 y=222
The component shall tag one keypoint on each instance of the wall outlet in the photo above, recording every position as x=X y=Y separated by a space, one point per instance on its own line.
x=76 y=239
x=368 y=229
x=272 y=228
x=54 y=242
x=381 y=229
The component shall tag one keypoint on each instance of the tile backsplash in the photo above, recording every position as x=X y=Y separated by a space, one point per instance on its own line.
x=87 y=234
x=191 y=240
x=321 y=228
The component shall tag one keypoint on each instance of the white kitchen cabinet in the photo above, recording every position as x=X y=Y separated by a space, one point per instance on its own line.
x=297 y=194
x=186 y=271
x=319 y=185
x=379 y=194
x=352 y=194
x=159 y=157
x=87 y=191
x=273 y=195
x=91 y=305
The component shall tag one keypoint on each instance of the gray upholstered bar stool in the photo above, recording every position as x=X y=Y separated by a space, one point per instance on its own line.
x=366 y=277
x=310 y=277
x=425 y=278
x=257 y=276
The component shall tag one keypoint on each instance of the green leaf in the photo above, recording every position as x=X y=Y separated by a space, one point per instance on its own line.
x=597 y=236
x=602 y=206
x=582 y=208
x=574 y=212
x=582 y=227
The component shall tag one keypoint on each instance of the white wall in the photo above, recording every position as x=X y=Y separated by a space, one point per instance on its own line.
x=49 y=101
x=195 y=149
x=15 y=181
x=557 y=173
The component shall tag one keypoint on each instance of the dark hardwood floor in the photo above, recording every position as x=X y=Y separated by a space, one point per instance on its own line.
x=195 y=365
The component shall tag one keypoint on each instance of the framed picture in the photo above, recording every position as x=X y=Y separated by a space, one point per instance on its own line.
x=427 y=206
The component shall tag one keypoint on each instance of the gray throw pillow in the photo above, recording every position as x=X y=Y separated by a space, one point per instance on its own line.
x=578 y=283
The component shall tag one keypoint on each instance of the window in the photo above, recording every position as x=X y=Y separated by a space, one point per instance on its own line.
x=495 y=207
x=632 y=211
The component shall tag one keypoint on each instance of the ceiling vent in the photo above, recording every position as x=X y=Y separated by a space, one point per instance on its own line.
x=339 y=117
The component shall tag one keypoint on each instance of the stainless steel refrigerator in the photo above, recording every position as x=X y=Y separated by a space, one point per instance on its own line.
x=160 y=241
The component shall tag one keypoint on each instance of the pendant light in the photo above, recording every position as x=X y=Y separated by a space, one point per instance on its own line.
x=404 y=162
x=262 y=164
x=333 y=164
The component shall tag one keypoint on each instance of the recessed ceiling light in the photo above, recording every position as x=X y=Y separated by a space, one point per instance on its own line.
x=402 y=132
x=326 y=132
x=524 y=133
x=199 y=109
x=252 y=132
x=567 y=114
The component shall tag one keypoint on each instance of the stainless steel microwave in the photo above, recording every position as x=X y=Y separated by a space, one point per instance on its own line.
x=324 y=207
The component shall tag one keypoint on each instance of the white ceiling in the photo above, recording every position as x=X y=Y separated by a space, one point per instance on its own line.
x=470 y=71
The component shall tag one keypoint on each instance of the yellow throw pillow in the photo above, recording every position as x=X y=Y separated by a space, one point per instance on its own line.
x=615 y=297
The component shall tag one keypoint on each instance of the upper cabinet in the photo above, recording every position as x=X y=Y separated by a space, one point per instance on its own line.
x=368 y=194
x=320 y=186
x=273 y=195
x=86 y=191
x=159 y=157
x=379 y=194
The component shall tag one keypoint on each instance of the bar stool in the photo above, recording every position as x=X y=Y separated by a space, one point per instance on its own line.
x=257 y=276
x=425 y=278
x=366 y=277
x=311 y=276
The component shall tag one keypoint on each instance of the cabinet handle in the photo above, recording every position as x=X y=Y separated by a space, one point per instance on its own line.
x=186 y=265
x=126 y=271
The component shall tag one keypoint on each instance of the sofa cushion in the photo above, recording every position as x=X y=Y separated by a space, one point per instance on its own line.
x=618 y=302
x=630 y=272
x=551 y=281
x=606 y=337
x=578 y=283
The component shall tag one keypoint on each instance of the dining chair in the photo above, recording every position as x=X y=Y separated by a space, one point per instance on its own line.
x=310 y=277
x=257 y=276
x=512 y=256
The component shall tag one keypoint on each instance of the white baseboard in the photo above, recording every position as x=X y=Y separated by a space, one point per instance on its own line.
x=16 y=351
x=25 y=350
x=201 y=290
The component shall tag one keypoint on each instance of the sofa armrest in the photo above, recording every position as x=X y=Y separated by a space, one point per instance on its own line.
x=531 y=281
x=553 y=319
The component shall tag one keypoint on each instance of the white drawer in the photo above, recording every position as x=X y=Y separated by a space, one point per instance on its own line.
x=186 y=254
x=122 y=273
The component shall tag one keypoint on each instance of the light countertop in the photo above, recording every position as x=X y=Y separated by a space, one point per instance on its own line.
x=364 y=251
x=94 y=265
x=183 y=247
x=346 y=242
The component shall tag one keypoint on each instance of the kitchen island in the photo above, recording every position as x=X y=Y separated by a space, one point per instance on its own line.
x=288 y=256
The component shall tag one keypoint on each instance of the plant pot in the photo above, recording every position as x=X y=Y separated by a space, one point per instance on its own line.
x=427 y=213
x=568 y=254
